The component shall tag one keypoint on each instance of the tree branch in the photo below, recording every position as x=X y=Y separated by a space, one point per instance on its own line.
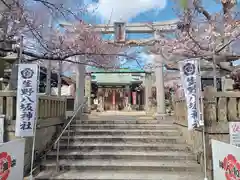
x=61 y=58
x=201 y=10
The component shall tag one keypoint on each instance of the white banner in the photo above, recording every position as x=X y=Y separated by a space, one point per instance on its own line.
x=26 y=99
x=234 y=131
x=226 y=161
x=190 y=79
x=12 y=159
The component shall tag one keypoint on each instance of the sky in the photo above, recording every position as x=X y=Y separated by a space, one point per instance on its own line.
x=109 y=11
x=132 y=11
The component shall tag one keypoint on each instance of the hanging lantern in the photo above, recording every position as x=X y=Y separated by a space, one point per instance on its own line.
x=121 y=93
x=106 y=94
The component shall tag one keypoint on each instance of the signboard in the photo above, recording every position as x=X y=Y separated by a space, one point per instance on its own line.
x=226 y=161
x=12 y=159
x=26 y=99
x=190 y=78
x=234 y=131
x=120 y=31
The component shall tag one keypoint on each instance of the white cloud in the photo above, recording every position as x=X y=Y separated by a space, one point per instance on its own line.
x=116 y=10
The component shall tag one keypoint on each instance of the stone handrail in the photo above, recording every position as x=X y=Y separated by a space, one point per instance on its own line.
x=218 y=107
x=180 y=110
x=222 y=106
x=48 y=106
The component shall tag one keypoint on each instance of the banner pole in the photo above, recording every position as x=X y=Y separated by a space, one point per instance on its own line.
x=35 y=129
x=201 y=116
x=204 y=153
x=20 y=50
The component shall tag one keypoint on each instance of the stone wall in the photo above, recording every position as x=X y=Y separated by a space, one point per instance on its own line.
x=220 y=108
x=51 y=116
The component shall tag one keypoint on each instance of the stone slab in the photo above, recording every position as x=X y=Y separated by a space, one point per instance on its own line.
x=121 y=175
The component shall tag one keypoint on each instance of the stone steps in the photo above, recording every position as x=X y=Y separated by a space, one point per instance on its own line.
x=118 y=175
x=122 y=164
x=125 y=146
x=142 y=132
x=122 y=121
x=123 y=138
x=117 y=148
x=122 y=154
x=124 y=126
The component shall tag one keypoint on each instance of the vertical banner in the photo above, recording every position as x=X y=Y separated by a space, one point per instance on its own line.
x=26 y=99
x=12 y=159
x=190 y=78
x=234 y=132
x=134 y=96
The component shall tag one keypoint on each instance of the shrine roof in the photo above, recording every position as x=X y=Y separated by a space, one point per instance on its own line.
x=119 y=70
x=115 y=78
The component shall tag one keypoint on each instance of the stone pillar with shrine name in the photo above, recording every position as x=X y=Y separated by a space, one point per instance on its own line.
x=88 y=90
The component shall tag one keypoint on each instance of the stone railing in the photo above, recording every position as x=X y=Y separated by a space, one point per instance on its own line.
x=71 y=104
x=220 y=108
x=48 y=106
x=51 y=117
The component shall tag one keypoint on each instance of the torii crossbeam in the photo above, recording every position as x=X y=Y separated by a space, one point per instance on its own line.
x=150 y=28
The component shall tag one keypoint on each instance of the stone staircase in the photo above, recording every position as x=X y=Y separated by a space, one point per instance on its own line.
x=114 y=148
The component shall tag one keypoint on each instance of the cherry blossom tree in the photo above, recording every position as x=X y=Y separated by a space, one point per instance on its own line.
x=43 y=43
x=211 y=37
x=201 y=34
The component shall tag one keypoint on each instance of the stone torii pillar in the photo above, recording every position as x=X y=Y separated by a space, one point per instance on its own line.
x=148 y=92
x=160 y=93
x=80 y=85
x=88 y=90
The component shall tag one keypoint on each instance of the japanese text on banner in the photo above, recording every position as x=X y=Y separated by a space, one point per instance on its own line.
x=26 y=99
x=191 y=85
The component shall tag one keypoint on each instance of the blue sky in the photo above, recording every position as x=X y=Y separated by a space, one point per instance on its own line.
x=105 y=11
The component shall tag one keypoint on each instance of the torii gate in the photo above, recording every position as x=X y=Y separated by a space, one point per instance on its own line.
x=119 y=29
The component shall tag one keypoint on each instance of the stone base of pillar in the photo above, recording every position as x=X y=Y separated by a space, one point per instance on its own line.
x=160 y=116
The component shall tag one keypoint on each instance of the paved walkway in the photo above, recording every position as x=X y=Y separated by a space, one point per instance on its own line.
x=121 y=113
